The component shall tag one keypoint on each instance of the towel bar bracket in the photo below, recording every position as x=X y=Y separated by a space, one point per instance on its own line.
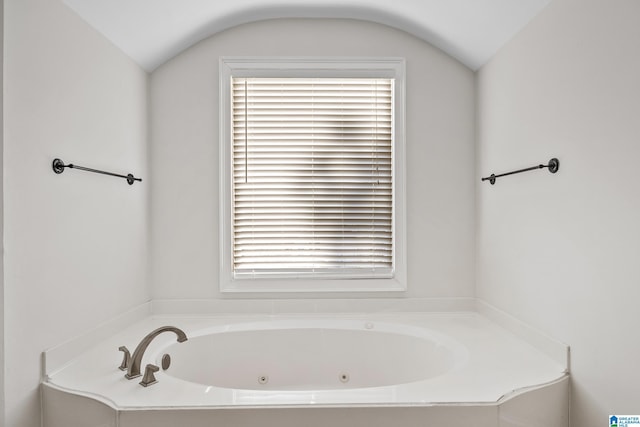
x=554 y=165
x=58 y=166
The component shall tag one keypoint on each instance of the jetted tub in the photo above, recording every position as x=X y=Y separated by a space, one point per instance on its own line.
x=353 y=370
x=314 y=355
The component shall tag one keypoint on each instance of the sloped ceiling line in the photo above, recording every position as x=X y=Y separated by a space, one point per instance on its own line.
x=153 y=31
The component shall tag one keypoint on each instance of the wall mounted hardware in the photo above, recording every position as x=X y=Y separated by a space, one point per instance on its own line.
x=58 y=167
x=553 y=165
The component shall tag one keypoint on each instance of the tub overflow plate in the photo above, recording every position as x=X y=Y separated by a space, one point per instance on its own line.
x=166 y=362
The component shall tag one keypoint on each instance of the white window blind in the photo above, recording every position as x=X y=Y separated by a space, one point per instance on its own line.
x=312 y=177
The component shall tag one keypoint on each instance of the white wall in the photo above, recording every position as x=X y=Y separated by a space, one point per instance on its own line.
x=439 y=149
x=75 y=244
x=562 y=252
x=1 y=213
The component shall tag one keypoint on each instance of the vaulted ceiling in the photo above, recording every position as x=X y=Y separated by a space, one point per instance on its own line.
x=153 y=31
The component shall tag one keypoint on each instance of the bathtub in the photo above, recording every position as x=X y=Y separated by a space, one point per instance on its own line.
x=370 y=370
x=313 y=358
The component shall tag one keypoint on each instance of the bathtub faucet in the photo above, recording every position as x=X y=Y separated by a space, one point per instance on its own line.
x=136 y=359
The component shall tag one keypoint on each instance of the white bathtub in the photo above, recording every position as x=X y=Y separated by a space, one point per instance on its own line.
x=256 y=371
x=313 y=355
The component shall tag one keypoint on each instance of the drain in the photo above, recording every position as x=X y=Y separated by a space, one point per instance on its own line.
x=343 y=377
x=263 y=379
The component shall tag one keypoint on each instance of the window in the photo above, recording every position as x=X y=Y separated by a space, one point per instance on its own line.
x=311 y=156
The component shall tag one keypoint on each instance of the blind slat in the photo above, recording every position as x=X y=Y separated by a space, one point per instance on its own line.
x=312 y=176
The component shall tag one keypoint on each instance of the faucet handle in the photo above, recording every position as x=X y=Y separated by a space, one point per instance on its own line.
x=148 y=378
x=126 y=360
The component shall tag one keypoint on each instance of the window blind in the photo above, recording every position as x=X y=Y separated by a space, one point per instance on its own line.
x=312 y=177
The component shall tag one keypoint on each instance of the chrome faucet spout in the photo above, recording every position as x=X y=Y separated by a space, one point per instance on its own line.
x=136 y=359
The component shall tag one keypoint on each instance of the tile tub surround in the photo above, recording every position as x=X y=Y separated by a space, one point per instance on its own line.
x=501 y=371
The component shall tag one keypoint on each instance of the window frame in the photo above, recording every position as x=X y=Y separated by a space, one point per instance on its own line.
x=311 y=67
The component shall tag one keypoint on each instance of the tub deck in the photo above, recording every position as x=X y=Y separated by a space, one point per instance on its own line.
x=500 y=365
